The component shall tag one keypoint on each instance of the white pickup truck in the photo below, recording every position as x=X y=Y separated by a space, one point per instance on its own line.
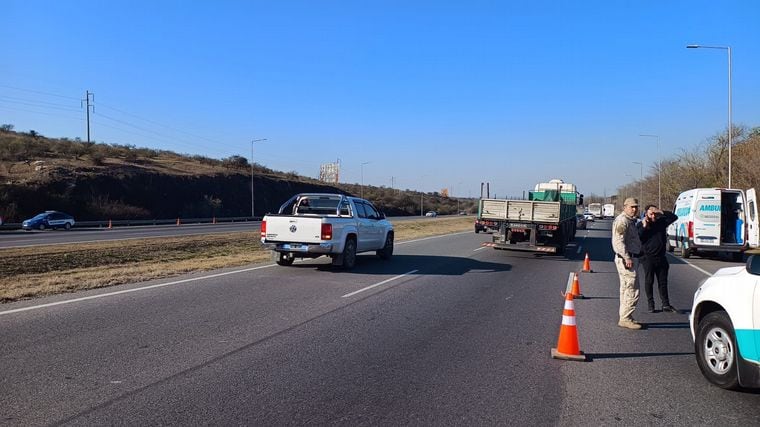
x=311 y=225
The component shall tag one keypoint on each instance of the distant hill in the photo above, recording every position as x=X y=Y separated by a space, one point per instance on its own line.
x=95 y=181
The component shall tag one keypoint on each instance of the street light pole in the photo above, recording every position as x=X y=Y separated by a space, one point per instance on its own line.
x=641 y=180
x=252 y=198
x=362 y=191
x=730 y=124
x=659 y=170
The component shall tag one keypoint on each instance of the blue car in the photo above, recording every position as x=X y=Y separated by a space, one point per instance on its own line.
x=49 y=219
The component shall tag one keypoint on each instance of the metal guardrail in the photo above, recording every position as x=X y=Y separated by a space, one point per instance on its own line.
x=143 y=222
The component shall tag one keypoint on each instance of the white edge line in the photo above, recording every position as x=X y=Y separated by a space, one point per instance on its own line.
x=160 y=285
x=378 y=284
x=692 y=265
x=125 y=291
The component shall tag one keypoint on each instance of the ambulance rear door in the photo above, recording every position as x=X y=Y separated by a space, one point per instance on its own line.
x=753 y=231
x=707 y=213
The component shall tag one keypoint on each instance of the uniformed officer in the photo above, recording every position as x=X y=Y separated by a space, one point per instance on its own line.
x=627 y=248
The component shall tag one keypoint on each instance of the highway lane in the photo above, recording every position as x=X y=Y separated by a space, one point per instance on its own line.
x=446 y=332
x=19 y=238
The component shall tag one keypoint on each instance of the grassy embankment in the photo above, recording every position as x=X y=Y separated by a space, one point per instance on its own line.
x=47 y=270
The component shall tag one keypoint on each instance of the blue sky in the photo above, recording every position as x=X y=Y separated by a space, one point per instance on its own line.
x=433 y=94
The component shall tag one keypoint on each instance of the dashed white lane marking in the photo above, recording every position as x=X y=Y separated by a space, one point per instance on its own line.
x=379 y=283
x=479 y=249
x=579 y=249
x=569 y=286
x=432 y=237
x=125 y=291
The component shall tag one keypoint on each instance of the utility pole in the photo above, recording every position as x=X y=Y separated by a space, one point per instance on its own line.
x=87 y=96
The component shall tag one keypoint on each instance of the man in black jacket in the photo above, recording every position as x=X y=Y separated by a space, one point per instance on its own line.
x=655 y=263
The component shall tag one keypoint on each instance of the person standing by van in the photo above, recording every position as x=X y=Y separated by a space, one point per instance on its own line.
x=652 y=235
x=627 y=247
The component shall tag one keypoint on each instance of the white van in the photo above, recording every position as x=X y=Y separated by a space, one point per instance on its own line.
x=713 y=220
x=608 y=210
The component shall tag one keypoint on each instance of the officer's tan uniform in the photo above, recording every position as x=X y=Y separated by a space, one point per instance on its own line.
x=626 y=244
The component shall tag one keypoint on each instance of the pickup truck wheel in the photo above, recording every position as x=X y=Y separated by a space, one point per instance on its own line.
x=349 y=254
x=387 y=251
x=285 y=258
x=716 y=350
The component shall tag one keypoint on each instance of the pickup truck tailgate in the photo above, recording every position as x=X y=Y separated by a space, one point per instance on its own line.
x=294 y=229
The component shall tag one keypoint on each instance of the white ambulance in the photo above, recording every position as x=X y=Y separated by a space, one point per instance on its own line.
x=714 y=220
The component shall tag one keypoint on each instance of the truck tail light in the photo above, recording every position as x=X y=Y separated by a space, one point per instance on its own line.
x=263 y=229
x=326 y=232
x=690 y=229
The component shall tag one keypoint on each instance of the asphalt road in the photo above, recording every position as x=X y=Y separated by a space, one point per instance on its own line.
x=20 y=238
x=447 y=332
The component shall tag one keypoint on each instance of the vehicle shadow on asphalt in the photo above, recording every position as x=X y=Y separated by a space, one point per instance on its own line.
x=592 y=356
x=665 y=325
x=423 y=264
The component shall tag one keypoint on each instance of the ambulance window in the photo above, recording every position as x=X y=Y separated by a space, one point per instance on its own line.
x=752 y=210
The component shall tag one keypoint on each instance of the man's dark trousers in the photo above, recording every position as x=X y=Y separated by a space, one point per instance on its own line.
x=656 y=266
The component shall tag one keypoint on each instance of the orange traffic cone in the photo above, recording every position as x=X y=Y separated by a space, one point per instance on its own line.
x=587 y=265
x=110 y=226
x=567 y=344
x=178 y=223
x=576 y=288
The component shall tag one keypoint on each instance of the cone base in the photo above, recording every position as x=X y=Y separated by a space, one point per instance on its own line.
x=578 y=358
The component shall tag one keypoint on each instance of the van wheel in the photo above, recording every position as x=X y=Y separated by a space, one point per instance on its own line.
x=716 y=350
x=349 y=254
x=285 y=258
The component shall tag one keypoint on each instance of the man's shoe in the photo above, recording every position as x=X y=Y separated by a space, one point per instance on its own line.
x=669 y=309
x=629 y=324
x=651 y=309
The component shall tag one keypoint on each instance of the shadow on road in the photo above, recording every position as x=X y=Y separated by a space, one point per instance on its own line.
x=592 y=356
x=665 y=325
x=400 y=264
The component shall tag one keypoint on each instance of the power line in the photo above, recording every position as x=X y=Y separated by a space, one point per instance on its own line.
x=39 y=103
x=39 y=92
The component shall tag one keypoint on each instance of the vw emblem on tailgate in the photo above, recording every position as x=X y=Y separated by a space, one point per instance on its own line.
x=293 y=228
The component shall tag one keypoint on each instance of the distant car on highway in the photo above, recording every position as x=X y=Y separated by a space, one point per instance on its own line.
x=49 y=219
x=589 y=216
x=432 y=214
x=724 y=326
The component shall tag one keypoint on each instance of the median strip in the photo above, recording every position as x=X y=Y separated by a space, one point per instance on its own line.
x=379 y=283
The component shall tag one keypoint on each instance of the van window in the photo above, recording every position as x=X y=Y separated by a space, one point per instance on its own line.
x=752 y=210
x=360 y=210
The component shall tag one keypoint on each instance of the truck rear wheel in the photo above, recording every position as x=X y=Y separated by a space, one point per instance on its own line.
x=284 y=258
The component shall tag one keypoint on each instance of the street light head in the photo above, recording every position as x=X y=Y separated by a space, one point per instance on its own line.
x=692 y=46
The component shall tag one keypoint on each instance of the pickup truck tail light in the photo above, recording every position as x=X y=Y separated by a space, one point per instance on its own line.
x=326 y=232
x=691 y=229
x=263 y=229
